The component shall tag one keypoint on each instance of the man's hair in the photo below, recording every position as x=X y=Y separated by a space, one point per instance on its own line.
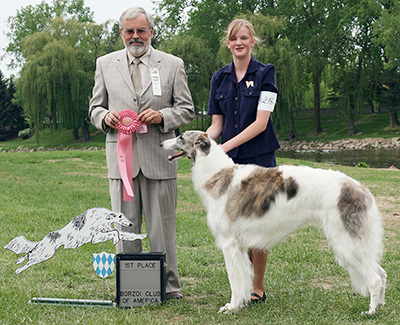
x=132 y=13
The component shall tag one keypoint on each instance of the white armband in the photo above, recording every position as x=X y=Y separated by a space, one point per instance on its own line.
x=267 y=101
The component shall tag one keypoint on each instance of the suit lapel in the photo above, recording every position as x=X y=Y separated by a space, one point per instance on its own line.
x=123 y=68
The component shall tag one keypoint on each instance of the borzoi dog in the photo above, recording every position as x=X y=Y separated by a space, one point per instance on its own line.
x=92 y=225
x=253 y=207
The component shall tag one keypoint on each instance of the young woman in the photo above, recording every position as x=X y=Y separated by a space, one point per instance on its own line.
x=242 y=97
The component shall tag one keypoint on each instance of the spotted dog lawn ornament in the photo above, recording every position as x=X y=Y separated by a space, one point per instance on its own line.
x=93 y=225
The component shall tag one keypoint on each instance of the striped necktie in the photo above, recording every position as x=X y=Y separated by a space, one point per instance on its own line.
x=136 y=77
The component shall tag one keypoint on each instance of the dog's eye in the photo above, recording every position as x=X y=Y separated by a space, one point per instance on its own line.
x=181 y=139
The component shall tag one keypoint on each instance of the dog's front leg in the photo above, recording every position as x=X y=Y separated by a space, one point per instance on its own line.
x=240 y=276
x=102 y=237
x=131 y=236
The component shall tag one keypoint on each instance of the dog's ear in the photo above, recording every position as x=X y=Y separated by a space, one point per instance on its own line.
x=111 y=215
x=203 y=142
x=201 y=145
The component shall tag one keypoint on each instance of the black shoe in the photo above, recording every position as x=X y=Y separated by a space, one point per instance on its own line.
x=174 y=295
x=259 y=298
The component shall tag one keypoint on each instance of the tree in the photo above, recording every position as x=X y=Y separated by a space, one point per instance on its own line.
x=355 y=59
x=57 y=78
x=4 y=102
x=312 y=26
x=389 y=95
x=11 y=114
x=388 y=38
x=57 y=45
x=112 y=41
x=32 y=19
x=204 y=19
x=199 y=64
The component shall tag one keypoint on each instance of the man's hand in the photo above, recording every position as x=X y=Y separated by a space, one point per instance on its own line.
x=150 y=116
x=112 y=119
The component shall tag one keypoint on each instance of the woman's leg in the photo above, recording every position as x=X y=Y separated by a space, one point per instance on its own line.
x=259 y=260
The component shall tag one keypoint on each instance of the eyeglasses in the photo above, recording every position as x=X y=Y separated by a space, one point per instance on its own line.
x=140 y=31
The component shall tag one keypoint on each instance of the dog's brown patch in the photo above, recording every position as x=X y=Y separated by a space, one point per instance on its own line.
x=258 y=192
x=220 y=182
x=353 y=204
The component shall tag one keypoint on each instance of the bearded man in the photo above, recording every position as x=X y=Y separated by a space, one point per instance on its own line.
x=152 y=84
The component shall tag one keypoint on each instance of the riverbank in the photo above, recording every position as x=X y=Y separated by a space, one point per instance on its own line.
x=345 y=144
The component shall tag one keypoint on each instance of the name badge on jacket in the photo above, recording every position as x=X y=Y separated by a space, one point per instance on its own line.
x=155 y=80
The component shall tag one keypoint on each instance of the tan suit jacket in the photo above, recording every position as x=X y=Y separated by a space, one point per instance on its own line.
x=113 y=90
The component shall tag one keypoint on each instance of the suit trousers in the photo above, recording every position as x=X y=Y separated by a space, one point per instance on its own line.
x=156 y=200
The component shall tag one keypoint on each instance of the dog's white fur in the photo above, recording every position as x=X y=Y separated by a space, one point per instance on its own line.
x=356 y=242
x=92 y=225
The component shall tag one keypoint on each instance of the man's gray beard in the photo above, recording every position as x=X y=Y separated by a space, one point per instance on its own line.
x=138 y=51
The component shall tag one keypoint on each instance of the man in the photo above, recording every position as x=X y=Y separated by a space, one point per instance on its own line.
x=159 y=94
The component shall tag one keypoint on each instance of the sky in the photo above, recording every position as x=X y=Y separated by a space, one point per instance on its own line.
x=103 y=10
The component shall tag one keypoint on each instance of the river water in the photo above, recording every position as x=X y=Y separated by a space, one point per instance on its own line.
x=375 y=158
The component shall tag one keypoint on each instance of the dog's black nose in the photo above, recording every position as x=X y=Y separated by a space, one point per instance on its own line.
x=130 y=224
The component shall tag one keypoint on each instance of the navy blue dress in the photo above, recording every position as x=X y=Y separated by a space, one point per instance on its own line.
x=238 y=103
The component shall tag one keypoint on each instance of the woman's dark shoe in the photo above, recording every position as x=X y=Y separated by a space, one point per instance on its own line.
x=259 y=298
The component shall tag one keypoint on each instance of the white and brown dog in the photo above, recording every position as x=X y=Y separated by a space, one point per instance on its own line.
x=253 y=207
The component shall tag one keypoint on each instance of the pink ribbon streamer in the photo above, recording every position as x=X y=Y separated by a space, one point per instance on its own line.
x=129 y=124
x=124 y=151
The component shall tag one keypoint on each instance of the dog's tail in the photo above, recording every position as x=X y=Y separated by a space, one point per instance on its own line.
x=20 y=245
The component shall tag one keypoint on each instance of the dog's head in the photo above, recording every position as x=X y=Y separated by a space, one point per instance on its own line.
x=189 y=144
x=118 y=217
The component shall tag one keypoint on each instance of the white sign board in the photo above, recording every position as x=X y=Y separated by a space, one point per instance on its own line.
x=140 y=279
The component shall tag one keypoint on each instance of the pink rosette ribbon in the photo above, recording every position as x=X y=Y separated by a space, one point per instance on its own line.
x=129 y=124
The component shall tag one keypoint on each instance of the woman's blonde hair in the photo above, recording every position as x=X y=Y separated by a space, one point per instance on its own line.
x=234 y=27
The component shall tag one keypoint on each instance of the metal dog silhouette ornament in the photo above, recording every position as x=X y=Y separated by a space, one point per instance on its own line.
x=93 y=225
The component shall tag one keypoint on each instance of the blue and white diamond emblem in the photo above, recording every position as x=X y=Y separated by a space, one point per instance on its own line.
x=103 y=264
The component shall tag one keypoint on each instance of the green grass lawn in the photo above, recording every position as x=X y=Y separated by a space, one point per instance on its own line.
x=335 y=127
x=43 y=191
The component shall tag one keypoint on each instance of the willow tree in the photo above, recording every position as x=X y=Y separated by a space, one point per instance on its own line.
x=57 y=78
x=47 y=84
x=32 y=19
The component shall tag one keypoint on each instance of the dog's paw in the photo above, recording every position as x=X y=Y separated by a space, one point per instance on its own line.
x=21 y=259
x=369 y=312
x=227 y=309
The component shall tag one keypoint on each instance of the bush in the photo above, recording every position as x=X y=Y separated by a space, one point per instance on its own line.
x=363 y=164
x=25 y=134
